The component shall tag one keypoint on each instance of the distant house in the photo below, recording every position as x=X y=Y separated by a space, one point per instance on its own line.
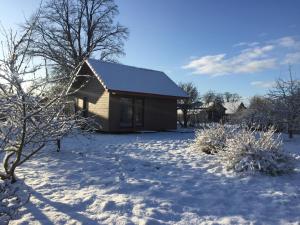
x=204 y=112
x=223 y=111
x=123 y=98
x=234 y=107
x=215 y=111
x=234 y=110
x=212 y=112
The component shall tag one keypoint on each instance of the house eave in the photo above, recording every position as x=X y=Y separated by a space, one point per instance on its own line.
x=120 y=92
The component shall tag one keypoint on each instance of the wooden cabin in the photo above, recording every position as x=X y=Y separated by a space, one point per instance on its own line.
x=120 y=98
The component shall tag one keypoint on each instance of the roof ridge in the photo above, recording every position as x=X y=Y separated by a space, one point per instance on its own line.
x=121 y=64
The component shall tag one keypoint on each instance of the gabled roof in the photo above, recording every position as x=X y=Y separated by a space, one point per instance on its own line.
x=118 y=77
x=233 y=107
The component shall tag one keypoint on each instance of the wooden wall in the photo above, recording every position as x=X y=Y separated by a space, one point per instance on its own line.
x=159 y=113
x=98 y=100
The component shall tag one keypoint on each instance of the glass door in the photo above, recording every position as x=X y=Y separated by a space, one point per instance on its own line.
x=126 y=117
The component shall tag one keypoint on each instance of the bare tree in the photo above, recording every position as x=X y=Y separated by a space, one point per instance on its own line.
x=186 y=104
x=210 y=96
x=213 y=97
x=286 y=99
x=259 y=114
x=68 y=31
x=31 y=114
x=231 y=97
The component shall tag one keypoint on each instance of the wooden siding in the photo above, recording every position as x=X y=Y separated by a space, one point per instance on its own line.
x=98 y=100
x=160 y=114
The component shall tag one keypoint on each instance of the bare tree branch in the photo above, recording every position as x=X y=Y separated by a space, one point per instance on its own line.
x=69 y=31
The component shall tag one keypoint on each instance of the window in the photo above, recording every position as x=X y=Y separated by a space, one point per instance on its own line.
x=139 y=112
x=132 y=112
x=126 y=117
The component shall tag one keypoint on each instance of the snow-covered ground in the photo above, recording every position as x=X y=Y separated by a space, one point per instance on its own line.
x=151 y=178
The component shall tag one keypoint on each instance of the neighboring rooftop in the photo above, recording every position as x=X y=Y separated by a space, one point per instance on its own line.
x=118 y=77
x=232 y=107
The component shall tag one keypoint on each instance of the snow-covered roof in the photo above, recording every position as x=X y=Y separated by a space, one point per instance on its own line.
x=207 y=105
x=231 y=107
x=118 y=77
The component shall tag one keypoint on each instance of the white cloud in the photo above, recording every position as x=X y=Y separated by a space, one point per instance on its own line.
x=240 y=44
x=210 y=64
x=292 y=58
x=249 y=60
x=256 y=66
x=252 y=44
x=288 y=42
x=263 y=84
x=252 y=57
x=252 y=53
x=243 y=44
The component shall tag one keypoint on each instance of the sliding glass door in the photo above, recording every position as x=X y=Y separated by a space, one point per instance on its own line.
x=126 y=117
x=131 y=112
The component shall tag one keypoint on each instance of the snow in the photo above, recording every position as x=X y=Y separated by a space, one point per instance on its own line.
x=12 y=197
x=231 y=107
x=151 y=178
x=118 y=77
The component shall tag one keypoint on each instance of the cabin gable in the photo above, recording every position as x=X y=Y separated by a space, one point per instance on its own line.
x=94 y=96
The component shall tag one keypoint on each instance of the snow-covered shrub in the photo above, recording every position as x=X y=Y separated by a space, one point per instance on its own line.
x=212 y=140
x=251 y=151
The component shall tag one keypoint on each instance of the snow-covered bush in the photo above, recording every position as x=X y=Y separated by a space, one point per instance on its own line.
x=251 y=151
x=212 y=140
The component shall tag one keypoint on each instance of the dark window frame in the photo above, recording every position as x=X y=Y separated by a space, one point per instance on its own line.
x=133 y=108
x=135 y=112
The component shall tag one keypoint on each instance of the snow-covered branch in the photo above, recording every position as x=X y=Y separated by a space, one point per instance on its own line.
x=33 y=112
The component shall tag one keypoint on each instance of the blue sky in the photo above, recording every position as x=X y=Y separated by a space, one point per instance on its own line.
x=232 y=45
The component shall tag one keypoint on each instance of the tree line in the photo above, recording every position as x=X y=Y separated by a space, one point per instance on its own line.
x=280 y=107
x=197 y=101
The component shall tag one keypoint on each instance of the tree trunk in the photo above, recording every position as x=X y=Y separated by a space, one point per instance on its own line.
x=291 y=135
x=58 y=145
x=290 y=130
x=9 y=169
x=13 y=177
x=185 y=119
x=9 y=176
